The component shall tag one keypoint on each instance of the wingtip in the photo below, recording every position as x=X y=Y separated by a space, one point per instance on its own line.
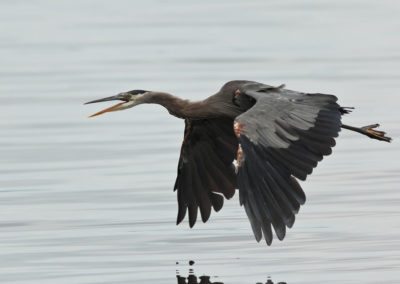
x=204 y=218
x=280 y=232
x=181 y=215
x=290 y=221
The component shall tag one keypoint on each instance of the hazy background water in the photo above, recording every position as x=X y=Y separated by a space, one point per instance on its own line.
x=90 y=200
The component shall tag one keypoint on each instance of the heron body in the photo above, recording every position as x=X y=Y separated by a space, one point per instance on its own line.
x=254 y=138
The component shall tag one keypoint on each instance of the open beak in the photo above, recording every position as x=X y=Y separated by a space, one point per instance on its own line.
x=118 y=106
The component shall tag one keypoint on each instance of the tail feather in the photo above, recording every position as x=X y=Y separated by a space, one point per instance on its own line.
x=346 y=110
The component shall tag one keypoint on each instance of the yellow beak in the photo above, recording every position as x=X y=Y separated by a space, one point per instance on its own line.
x=116 y=107
x=109 y=109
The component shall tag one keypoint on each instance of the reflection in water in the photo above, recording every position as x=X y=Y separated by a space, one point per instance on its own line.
x=192 y=279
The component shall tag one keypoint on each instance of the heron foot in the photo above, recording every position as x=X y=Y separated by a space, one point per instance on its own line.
x=370 y=131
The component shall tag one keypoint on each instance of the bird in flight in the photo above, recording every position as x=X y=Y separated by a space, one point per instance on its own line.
x=255 y=138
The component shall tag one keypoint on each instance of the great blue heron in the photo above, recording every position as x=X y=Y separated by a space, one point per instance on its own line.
x=252 y=137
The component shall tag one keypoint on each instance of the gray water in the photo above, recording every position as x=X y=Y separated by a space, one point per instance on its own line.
x=90 y=200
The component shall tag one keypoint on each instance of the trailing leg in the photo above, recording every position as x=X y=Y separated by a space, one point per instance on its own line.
x=369 y=131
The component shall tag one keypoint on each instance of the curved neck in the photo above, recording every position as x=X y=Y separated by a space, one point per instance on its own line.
x=178 y=107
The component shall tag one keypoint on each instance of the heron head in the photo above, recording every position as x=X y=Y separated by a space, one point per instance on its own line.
x=128 y=99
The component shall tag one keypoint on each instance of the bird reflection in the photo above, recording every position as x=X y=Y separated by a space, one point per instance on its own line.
x=192 y=279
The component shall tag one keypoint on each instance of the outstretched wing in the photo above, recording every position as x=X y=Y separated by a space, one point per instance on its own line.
x=205 y=169
x=281 y=138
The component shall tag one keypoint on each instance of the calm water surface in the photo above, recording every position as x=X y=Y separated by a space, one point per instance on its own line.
x=91 y=201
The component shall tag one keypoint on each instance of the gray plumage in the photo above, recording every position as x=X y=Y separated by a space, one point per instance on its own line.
x=253 y=137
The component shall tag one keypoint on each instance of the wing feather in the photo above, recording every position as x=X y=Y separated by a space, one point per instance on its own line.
x=283 y=136
x=205 y=169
